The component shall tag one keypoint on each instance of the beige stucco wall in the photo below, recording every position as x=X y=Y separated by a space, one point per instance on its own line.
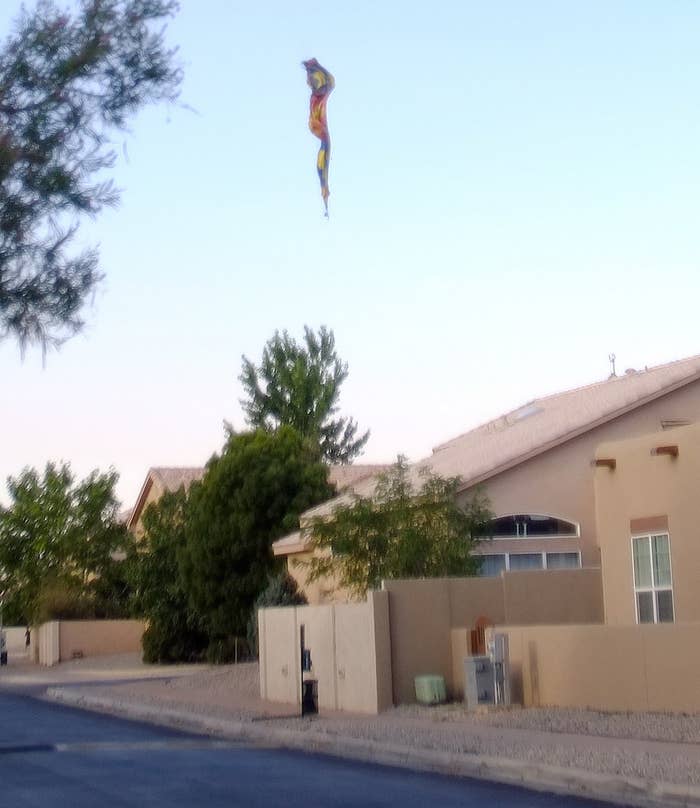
x=642 y=486
x=542 y=597
x=560 y=482
x=431 y=618
x=420 y=637
x=322 y=590
x=649 y=667
x=48 y=649
x=279 y=656
x=349 y=645
x=14 y=636
x=155 y=492
x=99 y=637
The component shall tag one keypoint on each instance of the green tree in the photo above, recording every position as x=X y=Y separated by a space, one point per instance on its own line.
x=175 y=632
x=66 y=83
x=251 y=494
x=299 y=385
x=408 y=528
x=58 y=535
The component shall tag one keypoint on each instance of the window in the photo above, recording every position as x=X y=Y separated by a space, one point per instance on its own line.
x=530 y=526
x=493 y=564
x=561 y=561
x=653 y=588
x=526 y=561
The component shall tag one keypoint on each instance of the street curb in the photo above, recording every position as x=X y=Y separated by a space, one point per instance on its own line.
x=618 y=790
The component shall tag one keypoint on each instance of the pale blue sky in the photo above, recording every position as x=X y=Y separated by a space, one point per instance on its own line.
x=514 y=194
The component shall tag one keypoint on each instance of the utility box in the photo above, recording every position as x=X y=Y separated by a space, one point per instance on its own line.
x=478 y=681
x=500 y=656
x=430 y=689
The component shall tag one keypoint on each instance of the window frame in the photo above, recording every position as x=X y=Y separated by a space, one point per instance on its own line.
x=546 y=536
x=543 y=553
x=653 y=589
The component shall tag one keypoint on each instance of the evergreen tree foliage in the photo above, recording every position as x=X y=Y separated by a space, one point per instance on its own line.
x=175 y=632
x=411 y=527
x=299 y=385
x=67 y=82
x=251 y=495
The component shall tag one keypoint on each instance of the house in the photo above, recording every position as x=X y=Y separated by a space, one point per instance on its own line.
x=162 y=479
x=647 y=512
x=536 y=465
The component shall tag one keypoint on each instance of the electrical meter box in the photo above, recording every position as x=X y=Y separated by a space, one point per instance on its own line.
x=478 y=681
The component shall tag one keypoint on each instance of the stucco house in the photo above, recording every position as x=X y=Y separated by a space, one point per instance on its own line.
x=648 y=511
x=537 y=466
x=162 y=479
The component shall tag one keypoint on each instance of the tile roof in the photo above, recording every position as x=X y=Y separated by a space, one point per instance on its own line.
x=172 y=478
x=540 y=425
x=346 y=476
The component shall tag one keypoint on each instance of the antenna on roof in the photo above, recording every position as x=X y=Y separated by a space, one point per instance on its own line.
x=611 y=359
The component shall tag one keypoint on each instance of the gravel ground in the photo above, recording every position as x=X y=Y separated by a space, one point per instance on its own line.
x=660 y=747
x=673 y=728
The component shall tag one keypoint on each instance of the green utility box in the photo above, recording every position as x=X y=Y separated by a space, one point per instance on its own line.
x=430 y=689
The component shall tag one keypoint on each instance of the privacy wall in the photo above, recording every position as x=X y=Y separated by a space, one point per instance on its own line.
x=61 y=641
x=431 y=620
x=651 y=667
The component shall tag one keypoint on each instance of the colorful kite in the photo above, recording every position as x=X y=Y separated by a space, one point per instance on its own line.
x=322 y=84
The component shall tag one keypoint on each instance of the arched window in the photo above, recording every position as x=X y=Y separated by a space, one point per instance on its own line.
x=530 y=526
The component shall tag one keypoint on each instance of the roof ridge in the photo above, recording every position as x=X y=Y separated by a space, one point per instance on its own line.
x=158 y=468
x=623 y=377
x=550 y=396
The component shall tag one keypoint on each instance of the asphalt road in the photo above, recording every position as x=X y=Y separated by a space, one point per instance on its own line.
x=57 y=756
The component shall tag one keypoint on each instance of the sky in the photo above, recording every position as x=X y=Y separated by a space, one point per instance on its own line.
x=514 y=196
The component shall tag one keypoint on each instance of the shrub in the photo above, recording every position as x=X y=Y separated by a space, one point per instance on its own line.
x=166 y=644
x=226 y=650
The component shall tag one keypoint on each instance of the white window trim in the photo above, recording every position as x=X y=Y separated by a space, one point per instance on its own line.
x=578 y=555
x=653 y=589
x=544 y=558
x=547 y=537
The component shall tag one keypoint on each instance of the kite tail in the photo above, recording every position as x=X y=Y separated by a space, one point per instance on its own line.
x=322 y=84
x=324 y=154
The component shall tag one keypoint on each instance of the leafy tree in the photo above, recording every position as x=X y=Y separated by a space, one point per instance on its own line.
x=175 y=632
x=251 y=494
x=299 y=385
x=58 y=536
x=66 y=83
x=402 y=531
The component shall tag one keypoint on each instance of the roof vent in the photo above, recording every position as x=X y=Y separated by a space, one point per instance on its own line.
x=630 y=372
x=525 y=412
